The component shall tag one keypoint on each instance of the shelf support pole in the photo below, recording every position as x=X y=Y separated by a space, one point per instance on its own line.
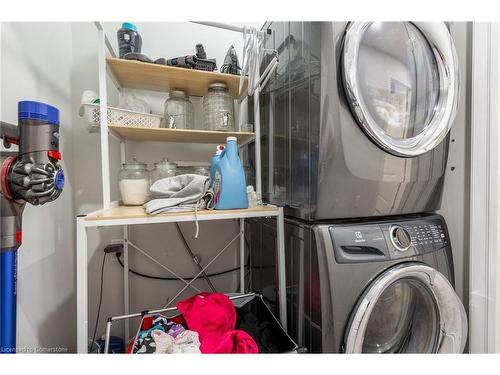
x=242 y=255
x=126 y=286
x=103 y=96
x=256 y=114
x=280 y=222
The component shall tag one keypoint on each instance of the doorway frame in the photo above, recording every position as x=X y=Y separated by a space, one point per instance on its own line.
x=484 y=288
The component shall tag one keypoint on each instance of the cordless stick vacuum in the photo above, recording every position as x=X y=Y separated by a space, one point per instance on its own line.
x=31 y=175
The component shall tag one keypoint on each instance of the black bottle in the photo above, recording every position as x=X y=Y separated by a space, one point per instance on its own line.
x=129 y=40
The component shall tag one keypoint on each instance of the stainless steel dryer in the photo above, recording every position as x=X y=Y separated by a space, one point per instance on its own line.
x=355 y=121
x=372 y=286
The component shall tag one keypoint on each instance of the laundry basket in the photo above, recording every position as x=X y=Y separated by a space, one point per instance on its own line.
x=253 y=317
x=117 y=116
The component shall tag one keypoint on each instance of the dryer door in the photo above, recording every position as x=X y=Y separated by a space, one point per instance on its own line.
x=411 y=308
x=402 y=83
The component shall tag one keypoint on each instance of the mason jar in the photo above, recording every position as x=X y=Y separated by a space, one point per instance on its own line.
x=201 y=170
x=179 y=112
x=184 y=169
x=133 y=181
x=249 y=175
x=163 y=169
x=218 y=111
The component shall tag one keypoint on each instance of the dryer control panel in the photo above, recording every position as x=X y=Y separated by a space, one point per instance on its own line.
x=382 y=240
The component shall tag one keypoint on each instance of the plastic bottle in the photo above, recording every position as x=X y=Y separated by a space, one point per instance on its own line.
x=229 y=179
x=215 y=160
x=129 y=39
x=253 y=199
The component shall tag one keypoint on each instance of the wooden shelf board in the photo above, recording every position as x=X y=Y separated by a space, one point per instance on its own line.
x=138 y=212
x=179 y=135
x=145 y=76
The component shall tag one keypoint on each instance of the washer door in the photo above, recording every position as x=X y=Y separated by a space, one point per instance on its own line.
x=402 y=83
x=411 y=308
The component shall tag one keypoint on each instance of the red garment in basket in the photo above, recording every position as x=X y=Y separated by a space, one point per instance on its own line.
x=213 y=316
x=208 y=313
x=236 y=341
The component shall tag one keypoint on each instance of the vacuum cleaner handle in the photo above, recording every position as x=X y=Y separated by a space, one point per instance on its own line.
x=9 y=133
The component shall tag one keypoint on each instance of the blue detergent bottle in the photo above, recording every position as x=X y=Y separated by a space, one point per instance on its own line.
x=229 y=179
x=214 y=162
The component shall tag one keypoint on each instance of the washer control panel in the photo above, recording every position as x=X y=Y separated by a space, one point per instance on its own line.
x=400 y=238
x=381 y=240
x=423 y=234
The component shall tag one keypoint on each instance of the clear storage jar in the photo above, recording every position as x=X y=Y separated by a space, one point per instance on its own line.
x=218 y=111
x=201 y=170
x=193 y=169
x=179 y=112
x=185 y=169
x=249 y=175
x=163 y=169
x=133 y=181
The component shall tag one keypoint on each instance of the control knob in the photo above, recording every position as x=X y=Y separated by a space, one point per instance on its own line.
x=400 y=238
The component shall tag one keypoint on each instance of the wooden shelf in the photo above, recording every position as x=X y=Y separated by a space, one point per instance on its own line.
x=145 y=76
x=137 y=215
x=179 y=135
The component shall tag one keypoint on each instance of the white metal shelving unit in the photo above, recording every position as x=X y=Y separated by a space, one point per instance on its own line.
x=112 y=214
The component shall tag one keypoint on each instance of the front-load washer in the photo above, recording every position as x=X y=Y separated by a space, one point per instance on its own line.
x=355 y=121
x=380 y=285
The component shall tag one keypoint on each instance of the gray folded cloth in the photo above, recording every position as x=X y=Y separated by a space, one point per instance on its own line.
x=186 y=192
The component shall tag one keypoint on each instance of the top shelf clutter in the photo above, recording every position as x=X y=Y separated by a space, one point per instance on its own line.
x=146 y=76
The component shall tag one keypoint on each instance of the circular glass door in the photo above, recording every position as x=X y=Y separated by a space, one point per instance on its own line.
x=404 y=319
x=401 y=80
x=411 y=308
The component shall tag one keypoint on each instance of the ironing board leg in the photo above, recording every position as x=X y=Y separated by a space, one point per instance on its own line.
x=108 y=336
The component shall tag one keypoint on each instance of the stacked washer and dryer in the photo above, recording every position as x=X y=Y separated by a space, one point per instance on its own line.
x=355 y=132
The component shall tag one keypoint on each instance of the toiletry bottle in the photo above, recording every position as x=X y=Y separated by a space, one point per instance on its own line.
x=129 y=39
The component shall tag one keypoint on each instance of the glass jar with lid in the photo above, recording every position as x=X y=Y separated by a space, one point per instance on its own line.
x=249 y=175
x=163 y=169
x=218 y=110
x=183 y=169
x=133 y=181
x=179 y=112
x=201 y=170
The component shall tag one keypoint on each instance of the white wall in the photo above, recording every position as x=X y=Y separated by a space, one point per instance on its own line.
x=35 y=65
x=87 y=193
